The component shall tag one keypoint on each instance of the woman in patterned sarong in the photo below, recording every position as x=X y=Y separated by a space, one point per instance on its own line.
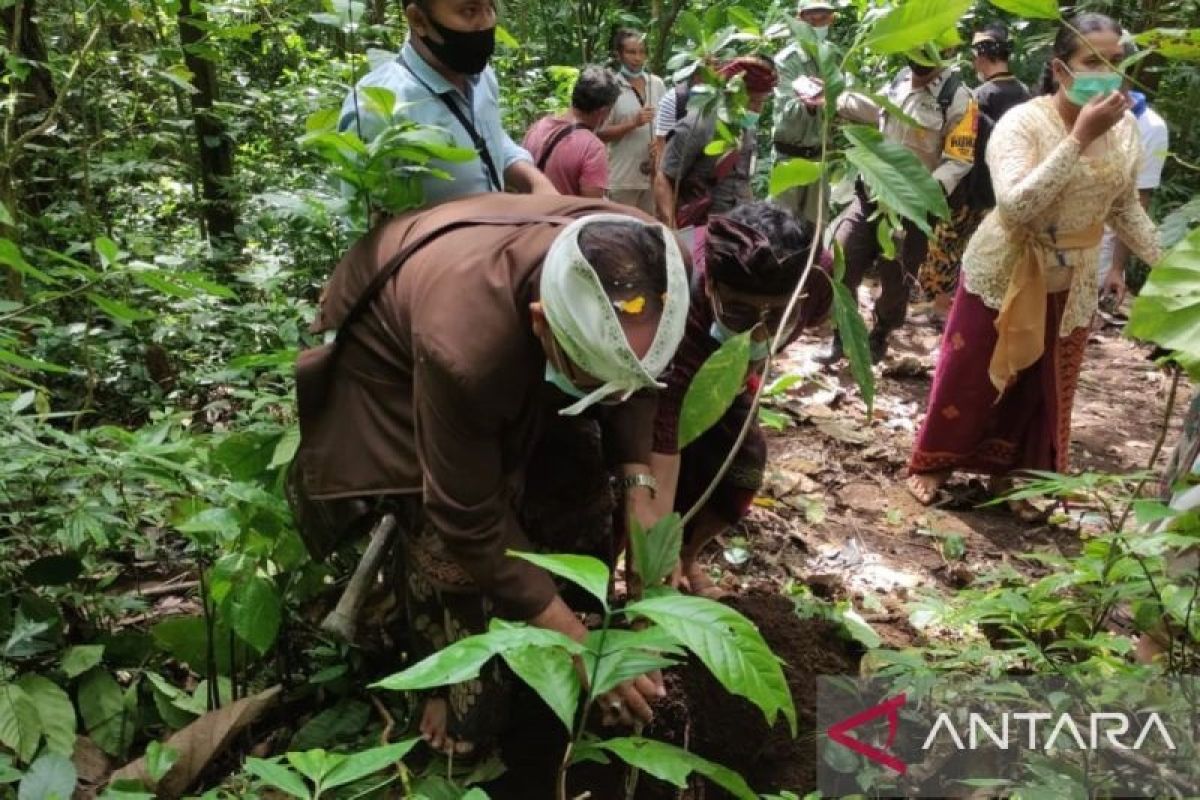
x=1062 y=166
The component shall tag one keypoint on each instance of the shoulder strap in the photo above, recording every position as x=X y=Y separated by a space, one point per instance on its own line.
x=476 y=140
x=683 y=93
x=395 y=262
x=555 y=140
x=945 y=97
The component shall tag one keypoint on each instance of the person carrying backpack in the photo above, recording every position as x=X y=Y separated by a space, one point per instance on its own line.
x=999 y=91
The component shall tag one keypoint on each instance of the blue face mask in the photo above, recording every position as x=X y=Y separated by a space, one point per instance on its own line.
x=1086 y=85
x=722 y=334
x=561 y=382
x=750 y=119
x=628 y=73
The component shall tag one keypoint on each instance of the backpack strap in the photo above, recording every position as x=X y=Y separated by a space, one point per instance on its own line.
x=683 y=93
x=555 y=140
x=946 y=94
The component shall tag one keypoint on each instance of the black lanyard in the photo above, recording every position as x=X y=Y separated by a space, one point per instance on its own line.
x=476 y=139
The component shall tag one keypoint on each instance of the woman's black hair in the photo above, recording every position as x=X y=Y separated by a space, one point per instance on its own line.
x=630 y=258
x=621 y=36
x=1067 y=42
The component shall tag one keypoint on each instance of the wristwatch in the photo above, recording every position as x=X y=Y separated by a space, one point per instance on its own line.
x=639 y=479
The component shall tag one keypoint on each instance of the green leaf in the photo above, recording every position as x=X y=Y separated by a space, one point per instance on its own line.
x=8 y=773
x=853 y=332
x=332 y=726
x=159 y=760
x=462 y=660
x=1167 y=311
x=256 y=612
x=729 y=645
x=246 y=456
x=589 y=574
x=379 y=101
x=628 y=654
x=913 y=23
x=744 y=21
x=712 y=391
x=674 y=764
x=551 y=673
x=6 y=217
x=81 y=658
x=157 y=281
x=368 y=762
x=51 y=777
x=10 y=256
x=55 y=710
x=896 y=176
x=505 y=38
x=285 y=449
x=20 y=725
x=1030 y=9
x=276 y=775
x=120 y=312
x=656 y=552
x=106 y=713
x=34 y=364
x=1175 y=43
x=792 y=173
x=314 y=764
x=185 y=638
x=108 y=251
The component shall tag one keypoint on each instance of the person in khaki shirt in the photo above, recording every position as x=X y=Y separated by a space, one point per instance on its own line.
x=944 y=141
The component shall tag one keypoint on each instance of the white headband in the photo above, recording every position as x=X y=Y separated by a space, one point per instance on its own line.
x=585 y=324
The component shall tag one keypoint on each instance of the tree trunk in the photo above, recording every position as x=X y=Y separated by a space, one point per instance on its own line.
x=665 y=21
x=377 y=12
x=214 y=146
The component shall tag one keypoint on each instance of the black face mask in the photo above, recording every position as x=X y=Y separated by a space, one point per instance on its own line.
x=465 y=52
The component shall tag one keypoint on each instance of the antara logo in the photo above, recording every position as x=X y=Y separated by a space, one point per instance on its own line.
x=890 y=709
x=1113 y=726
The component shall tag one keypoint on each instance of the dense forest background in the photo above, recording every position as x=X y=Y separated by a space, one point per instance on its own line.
x=166 y=224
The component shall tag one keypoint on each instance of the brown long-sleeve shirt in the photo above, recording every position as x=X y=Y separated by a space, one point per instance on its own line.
x=441 y=387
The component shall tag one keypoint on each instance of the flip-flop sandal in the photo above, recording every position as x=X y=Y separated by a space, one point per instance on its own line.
x=925 y=495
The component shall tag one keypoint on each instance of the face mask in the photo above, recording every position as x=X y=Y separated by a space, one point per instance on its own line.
x=821 y=33
x=1086 y=85
x=750 y=119
x=628 y=73
x=562 y=382
x=722 y=334
x=465 y=52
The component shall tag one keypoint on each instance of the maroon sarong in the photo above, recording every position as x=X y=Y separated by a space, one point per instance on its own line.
x=966 y=428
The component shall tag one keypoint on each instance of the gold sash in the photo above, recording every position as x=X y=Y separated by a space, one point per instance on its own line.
x=1021 y=324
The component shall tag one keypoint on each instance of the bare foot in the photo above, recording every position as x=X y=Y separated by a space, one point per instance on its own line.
x=1023 y=510
x=925 y=487
x=700 y=584
x=434 y=725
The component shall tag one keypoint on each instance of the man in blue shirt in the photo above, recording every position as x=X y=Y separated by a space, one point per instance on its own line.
x=442 y=78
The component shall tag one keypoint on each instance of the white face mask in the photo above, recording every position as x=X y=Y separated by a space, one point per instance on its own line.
x=822 y=33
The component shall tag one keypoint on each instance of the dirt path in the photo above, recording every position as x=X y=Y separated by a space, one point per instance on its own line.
x=835 y=513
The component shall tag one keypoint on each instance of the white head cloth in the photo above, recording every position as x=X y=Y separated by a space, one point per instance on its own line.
x=585 y=323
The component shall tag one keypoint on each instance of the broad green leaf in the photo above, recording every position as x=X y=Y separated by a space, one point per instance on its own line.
x=10 y=256
x=51 y=777
x=628 y=654
x=81 y=658
x=6 y=217
x=913 y=23
x=159 y=760
x=1175 y=43
x=853 y=332
x=205 y=284
x=462 y=660
x=274 y=774
x=896 y=177
x=8 y=773
x=379 y=101
x=1030 y=9
x=246 y=456
x=551 y=673
x=714 y=388
x=744 y=21
x=368 y=762
x=690 y=26
x=589 y=574
x=1167 y=311
x=165 y=286
x=106 y=713
x=656 y=552
x=20 y=725
x=507 y=39
x=120 y=312
x=165 y=696
x=792 y=173
x=333 y=726
x=185 y=638
x=314 y=764
x=285 y=449
x=37 y=365
x=108 y=251
x=255 y=612
x=55 y=710
x=674 y=764
x=728 y=644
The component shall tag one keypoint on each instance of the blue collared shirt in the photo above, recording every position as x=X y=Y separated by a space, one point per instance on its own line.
x=480 y=104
